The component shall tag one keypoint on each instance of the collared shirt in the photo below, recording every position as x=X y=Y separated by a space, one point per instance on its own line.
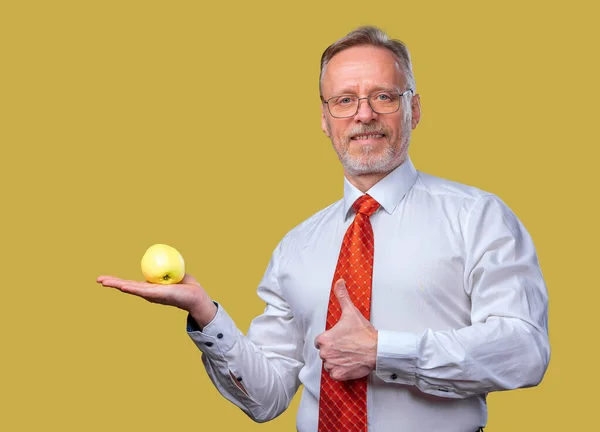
x=458 y=299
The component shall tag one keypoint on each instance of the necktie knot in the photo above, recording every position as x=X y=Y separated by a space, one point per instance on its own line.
x=366 y=205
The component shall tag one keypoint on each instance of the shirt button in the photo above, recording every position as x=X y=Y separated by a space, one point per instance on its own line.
x=208 y=343
x=239 y=378
x=394 y=376
x=220 y=335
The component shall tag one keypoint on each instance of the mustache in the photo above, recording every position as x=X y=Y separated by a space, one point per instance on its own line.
x=367 y=129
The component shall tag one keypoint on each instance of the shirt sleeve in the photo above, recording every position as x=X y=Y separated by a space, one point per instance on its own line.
x=506 y=346
x=258 y=372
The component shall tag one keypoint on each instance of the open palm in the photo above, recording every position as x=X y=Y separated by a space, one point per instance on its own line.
x=187 y=294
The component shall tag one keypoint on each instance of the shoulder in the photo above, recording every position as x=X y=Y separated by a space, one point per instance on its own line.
x=313 y=225
x=468 y=201
x=438 y=187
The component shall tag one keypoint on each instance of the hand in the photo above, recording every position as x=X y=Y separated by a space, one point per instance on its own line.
x=349 y=348
x=187 y=295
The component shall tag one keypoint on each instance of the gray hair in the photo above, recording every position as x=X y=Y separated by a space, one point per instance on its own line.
x=369 y=35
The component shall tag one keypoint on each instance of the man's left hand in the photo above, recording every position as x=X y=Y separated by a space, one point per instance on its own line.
x=349 y=348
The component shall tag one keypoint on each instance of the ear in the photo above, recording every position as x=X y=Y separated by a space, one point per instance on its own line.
x=415 y=105
x=324 y=125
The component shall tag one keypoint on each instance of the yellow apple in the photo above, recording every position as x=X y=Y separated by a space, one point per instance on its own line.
x=163 y=264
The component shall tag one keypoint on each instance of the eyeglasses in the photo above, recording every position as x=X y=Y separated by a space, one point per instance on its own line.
x=381 y=102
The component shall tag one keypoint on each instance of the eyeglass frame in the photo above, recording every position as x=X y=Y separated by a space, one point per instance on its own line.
x=400 y=95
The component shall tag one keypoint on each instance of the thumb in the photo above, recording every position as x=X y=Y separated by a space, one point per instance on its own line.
x=341 y=293
x=189 y=279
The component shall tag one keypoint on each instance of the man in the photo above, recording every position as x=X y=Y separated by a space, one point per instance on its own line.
x=400 y=306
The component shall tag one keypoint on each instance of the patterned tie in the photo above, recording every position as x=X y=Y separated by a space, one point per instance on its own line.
x=343 y=404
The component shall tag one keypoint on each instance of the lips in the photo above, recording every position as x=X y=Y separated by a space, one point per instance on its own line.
x=367 y=136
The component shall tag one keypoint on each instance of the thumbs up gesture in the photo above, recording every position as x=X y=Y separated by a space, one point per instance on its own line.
x=349 y=348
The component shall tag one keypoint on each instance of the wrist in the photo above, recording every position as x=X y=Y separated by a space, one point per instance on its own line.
x=373 y=359
x=204 y=312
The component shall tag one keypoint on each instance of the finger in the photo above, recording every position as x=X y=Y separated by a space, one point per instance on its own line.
x=322 y=355
x=189 y=279
x=341 y=293
x=151 y=292
x=319 y=341
x=336 y=375
x=102 y=278
x=112 y=281
x=143 y=286
x=116 y=282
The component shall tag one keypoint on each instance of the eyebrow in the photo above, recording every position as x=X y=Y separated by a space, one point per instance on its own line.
x=348 y=90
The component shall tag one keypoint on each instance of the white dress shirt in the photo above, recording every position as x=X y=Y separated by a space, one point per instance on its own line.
x=458 y=299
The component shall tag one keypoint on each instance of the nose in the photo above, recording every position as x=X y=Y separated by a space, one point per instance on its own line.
x=365 y=113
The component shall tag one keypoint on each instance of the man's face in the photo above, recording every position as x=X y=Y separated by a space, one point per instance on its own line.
x=368 y=142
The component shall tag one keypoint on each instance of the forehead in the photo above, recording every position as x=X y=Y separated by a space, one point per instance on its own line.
x=362 y=69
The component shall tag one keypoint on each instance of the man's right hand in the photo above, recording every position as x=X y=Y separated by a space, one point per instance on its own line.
x=187 y=295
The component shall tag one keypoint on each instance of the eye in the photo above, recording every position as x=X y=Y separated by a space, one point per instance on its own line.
x=384 y=97
x=344 y=100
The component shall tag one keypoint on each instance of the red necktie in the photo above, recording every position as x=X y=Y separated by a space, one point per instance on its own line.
x=343 y=404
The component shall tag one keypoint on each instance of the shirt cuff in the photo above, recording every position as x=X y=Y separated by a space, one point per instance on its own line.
x=397 y=357
x=217 y=338
x=192 y=325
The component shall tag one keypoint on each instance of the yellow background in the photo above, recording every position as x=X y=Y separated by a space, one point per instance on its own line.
x=125 y=124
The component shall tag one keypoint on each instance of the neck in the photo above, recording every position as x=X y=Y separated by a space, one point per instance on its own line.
x=364 y=182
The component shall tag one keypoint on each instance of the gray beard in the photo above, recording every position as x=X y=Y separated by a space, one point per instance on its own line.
x=370 y=163
x=367 y=162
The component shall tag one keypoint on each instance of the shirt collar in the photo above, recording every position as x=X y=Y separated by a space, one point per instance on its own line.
x=388 y=191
